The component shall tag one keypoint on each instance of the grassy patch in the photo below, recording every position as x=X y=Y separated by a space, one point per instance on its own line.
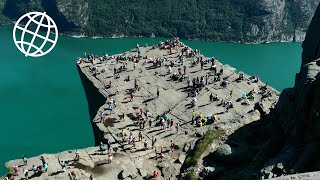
x=10 y=171
x=190 y=176
x=201 y=146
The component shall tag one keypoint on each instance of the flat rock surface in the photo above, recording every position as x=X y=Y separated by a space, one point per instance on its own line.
x=131 y=161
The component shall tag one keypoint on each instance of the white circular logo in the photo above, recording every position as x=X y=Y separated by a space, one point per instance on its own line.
x=28 y=38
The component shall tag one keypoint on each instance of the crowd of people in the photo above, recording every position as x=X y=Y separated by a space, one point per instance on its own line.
x=164 y=121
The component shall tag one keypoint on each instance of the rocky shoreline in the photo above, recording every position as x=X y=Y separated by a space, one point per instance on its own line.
x=174 y=100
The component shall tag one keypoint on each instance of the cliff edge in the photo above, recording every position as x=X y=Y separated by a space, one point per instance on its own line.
x=286 y=141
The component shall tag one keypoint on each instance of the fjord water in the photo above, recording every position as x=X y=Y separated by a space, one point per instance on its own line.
x=43 y=105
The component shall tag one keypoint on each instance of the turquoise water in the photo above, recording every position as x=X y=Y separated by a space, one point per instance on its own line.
x=43 y=106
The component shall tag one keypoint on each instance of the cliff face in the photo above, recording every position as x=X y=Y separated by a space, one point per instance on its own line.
x=285 y=141
x=252 y=21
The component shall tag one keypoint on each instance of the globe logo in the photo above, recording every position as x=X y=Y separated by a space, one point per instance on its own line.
x=38 y=36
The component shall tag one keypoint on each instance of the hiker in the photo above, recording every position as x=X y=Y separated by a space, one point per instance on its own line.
x=134 y=142
x=162 y=122
x=63 y=165
x=184 y=70
x=135 y=84
x=143 y=123
x=153 y=141
x=26 y=174
x=118 y=90
x=193 y=115
x=172 y=146
x=77 y=158
x=108 y=144
x=140 y=124
x=188 y=82
x=130 y=138
x=122 y=116
x=171 y=122
x=25 y=160
x=131 y=96
x=72 y=175
x=134 y=65
x=158 y=92
x=16 y=170
x=101 y=146
x=102 y=116
x=155 y=174
x=110 y=157
x=211 y=98
x=162 y=149
x=140 y=136
x=141 y=112
x=145 y=144
x=162 y=156
x=193 y=101
x=202 y=64
x=45 y=167
x=178 y=125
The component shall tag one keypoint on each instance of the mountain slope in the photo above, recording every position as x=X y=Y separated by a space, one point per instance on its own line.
x=219 y=20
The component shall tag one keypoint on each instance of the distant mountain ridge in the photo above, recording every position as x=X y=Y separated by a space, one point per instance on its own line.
x=246 y=21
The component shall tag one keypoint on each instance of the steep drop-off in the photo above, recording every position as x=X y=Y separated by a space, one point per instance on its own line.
x=286 y=141
x=95 y=100
x=252 y=21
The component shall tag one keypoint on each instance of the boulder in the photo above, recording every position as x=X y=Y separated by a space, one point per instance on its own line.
x=181 y=159
x=186 y=147
x=223 y=150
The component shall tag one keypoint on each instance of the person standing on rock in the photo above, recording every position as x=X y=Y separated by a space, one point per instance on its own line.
x=145 y=144
x=24 y=159
x=150 y=123
x=131 y=96
x=77 y=158
x=118 y=91
x=134 y=142
x=143 y=123
x=130 y=138
x=63 y=165
x=101 y=146
x=110 y=157
x=207 y=77
x=193 y=115
x=26 y=174
x=153 y=141
x=162 y=149
x=134 y=65
x=162 y=122
x=162 y=156
x=158 y=92
x=109 y=144
x=211 y=98
x=172 y=146
x=178 y=126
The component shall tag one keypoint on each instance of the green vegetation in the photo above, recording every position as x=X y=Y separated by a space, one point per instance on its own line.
x=190 y=176
x=220 y=20
x=201 y=146
x=10 y=171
